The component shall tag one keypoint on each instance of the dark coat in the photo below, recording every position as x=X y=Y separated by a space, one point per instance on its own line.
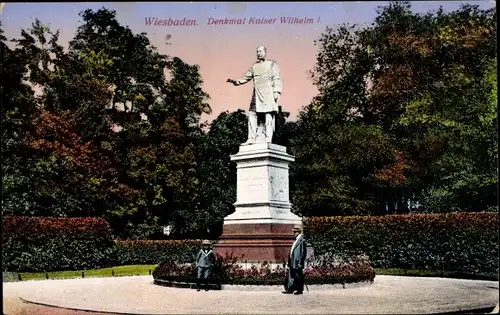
x=205 y=260
x=298 y=254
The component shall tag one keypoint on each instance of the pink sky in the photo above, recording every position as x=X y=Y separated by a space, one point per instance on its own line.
x=228 y=51
x=223 y=57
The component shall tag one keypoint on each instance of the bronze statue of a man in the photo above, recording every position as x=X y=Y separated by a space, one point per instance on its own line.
x=266 y=94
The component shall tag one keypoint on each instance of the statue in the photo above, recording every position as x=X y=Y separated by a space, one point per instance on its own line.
x=266 y=94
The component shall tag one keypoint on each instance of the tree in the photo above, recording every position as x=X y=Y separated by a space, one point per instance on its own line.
x=218 y=173
x=396 y=100
x=139 y=178
x=18 y=106
x=156 y=146
x=63 y=173
x=447 y=106
x=17 y=113
x=284 y=130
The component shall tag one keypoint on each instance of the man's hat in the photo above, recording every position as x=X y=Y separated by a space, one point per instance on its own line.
x=297 y=228
x=206 y=242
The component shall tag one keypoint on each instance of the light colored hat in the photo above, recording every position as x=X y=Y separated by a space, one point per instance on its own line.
x=297 y=228
x=206 y=242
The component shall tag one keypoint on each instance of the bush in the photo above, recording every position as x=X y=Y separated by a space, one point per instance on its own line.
x=463 y=242
x=153 y=252
x=227 y=271
x=48 y=244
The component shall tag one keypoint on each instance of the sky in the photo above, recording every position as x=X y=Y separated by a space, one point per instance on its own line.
x=224 y=51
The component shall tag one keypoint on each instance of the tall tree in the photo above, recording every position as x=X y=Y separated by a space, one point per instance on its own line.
x=117 y=136
x=218 y=173
x=396 y=100
x=18 y=111
x=160 y=122
x=66 y=173
x=447 y=105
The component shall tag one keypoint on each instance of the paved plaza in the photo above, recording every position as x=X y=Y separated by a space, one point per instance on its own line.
x=138 y=295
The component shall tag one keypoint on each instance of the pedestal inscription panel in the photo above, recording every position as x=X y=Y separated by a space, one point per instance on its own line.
x=278 y=184
x=252 y=184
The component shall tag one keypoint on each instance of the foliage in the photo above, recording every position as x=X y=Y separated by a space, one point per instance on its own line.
x=67 y=155
x=53 y=244
x=156 y=154
x=17 y=114
x=133 y=252
x=227 y=271
x=405 y=118
x=462 y=242
x=16 y=98
x=46 y=244
x=218 y=181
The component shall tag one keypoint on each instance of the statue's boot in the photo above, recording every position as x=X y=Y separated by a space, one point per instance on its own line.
x=250 y=141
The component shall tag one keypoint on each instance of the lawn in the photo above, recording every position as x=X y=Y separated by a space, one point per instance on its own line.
x=132 y=270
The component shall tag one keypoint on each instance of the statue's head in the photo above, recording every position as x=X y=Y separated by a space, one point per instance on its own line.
x=261 y=52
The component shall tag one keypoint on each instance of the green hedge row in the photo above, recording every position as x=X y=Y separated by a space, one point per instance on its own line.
x=462 y=242
x=48 y=244
x=154 y=252
x=53 y=244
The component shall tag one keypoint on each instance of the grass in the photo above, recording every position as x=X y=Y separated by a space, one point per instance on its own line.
x=132 y=270
x=435 y=273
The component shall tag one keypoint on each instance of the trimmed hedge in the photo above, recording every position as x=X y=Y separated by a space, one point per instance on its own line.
x=453 y=242
x=462 y=242
x=55 y=244
x=48 y=244
x=227 y=271
x=153 y=252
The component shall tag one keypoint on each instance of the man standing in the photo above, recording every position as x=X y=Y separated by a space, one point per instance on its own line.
x=296 y=262
x=205 y=261
x=266 y=93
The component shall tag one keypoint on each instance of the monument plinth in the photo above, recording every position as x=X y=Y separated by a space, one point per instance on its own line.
x=260 y=228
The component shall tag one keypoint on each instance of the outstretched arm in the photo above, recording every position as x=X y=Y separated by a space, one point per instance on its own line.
x=244 y=79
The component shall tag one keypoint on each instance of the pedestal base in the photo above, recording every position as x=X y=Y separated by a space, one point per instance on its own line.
x=260 y=229
x=256 y=242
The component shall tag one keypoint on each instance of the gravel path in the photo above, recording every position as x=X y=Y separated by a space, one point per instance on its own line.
x=138 y=295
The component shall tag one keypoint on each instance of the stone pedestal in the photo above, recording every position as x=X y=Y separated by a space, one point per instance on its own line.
x=261 y=227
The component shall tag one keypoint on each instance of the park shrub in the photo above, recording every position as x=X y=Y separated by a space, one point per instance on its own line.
x=462 y=242
x=135 y=252
x=228 y=271
x=48 y=243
